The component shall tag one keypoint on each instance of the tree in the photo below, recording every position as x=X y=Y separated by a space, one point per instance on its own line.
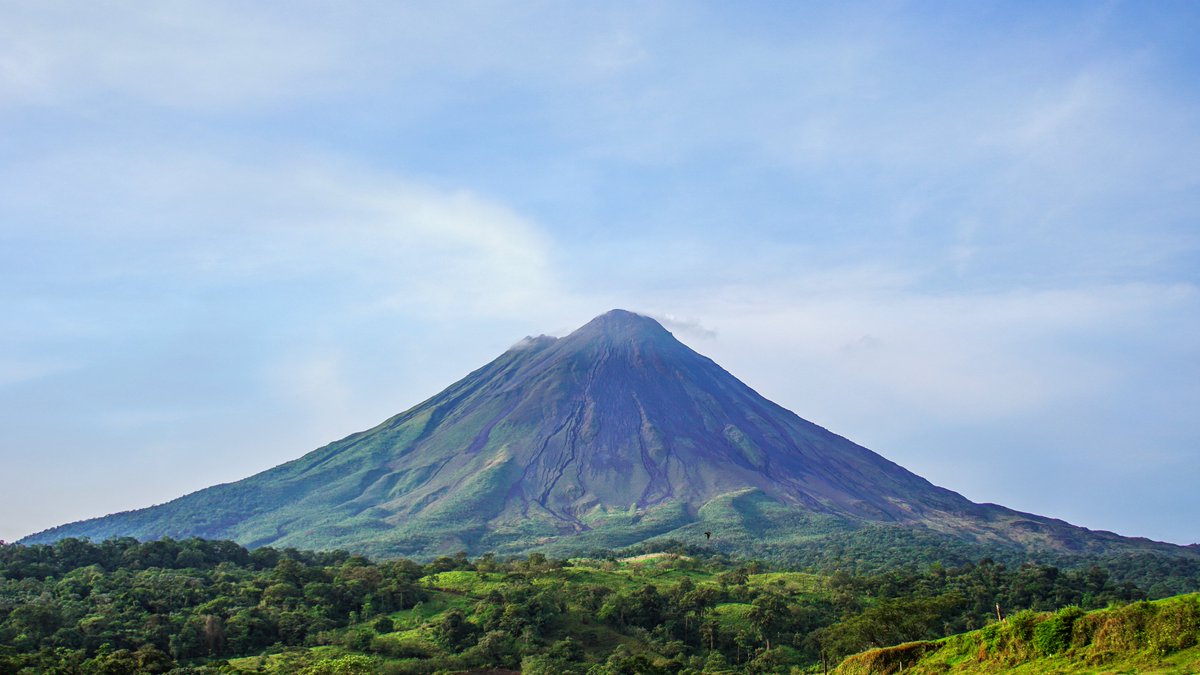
x=709 y=630
x=496 y=648
x=214 y=633
x=453 y=632
x=769 y=615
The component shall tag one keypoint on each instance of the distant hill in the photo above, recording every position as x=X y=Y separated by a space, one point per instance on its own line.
x=613 y=435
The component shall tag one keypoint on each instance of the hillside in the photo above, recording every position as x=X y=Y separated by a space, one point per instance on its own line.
x=615 y=434
x=1144 y=637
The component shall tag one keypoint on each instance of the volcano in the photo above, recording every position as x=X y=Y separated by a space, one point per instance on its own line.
x=615 y=434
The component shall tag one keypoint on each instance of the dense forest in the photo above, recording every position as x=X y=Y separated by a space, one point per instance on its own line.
x=199 y=606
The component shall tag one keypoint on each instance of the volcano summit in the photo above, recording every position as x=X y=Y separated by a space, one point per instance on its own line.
x=612 y=435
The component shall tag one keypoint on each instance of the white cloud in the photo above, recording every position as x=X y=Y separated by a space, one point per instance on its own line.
x=179 y=54
x=15 y=372
x=189 y=218
x=218 y=57
x=457 y=252
x=913 y=357
x=685 y=326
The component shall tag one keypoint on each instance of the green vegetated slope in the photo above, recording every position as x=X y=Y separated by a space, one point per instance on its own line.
x=1144 y=637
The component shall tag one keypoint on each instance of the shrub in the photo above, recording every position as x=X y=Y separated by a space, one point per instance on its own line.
x=1054 y=634
x=342 y=665
x=399 y=649
x=1122 y=630
x=989 y=639
x=1020 y=627
x=1173 y=627
x=886 y=660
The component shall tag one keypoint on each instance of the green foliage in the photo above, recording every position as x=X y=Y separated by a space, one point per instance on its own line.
x=169 y=606
x=1142 y=637
x=890 y=622
x=161 y=603
x=453 y=632
x=342 y=665
x=890 y=660
x=1053 y=635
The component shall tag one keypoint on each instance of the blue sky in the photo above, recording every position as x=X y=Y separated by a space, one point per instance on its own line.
x=965 y=235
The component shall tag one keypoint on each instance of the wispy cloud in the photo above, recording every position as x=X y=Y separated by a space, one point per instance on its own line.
x=205 y=56
x=191 y=218
x=950 y=357
x=13 y=372
x=685 y=326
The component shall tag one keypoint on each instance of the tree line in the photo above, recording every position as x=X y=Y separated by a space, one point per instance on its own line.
x=188 y=606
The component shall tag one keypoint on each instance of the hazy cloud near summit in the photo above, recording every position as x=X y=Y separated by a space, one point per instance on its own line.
x=685 y=326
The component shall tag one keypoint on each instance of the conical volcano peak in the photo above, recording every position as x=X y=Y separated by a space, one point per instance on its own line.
x=623 y=325
x=611 y=435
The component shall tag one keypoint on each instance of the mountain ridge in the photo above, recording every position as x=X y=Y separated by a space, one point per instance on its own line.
x=613 y=434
